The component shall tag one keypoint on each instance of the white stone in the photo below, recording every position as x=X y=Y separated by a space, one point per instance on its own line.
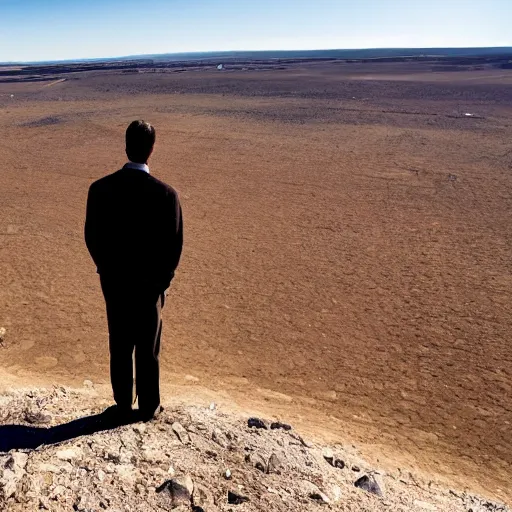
x=126 y=473
x=141 y=428
x=180 y=431
x=46 y=467
x=321 y=497
x=125 y=456
x=219 y=438
x=379 y=478
x=335 y=493
x=189 y=484
x=110 y=468
x=80 y=472
x=153 y=455
x=8 y=483
x=69 y=454
x=20 y=459
x=59 y=489
x=328 y=454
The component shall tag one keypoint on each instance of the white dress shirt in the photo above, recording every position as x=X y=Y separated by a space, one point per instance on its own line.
x=139 y=167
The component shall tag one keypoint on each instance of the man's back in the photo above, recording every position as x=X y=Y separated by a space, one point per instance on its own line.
x=133 y=228
x=134 y=232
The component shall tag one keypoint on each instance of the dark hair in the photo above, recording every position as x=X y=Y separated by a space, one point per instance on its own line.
x=140 y=139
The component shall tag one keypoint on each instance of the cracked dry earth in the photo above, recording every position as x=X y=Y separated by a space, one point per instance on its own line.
x=190 y=458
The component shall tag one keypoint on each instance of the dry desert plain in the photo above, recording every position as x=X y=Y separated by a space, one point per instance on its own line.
x=348 y=251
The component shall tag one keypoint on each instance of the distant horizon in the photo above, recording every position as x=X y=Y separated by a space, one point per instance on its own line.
x=59 y=30
x=213 y=53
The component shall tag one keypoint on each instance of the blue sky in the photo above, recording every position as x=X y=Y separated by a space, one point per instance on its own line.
x=66 y=29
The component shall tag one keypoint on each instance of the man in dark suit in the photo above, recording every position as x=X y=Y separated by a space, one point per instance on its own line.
x=134 y=233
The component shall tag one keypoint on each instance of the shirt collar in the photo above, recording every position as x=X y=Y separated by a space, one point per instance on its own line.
x=139 y=167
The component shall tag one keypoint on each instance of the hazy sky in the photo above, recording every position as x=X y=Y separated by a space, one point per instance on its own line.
x=66 y=29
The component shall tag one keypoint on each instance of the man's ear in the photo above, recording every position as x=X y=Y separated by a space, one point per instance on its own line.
x=151 y=152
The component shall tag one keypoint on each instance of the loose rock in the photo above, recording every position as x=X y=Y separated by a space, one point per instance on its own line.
x=86 y=503
x=12 y=471
x=120 y=470
x=179 y=490
x=320 y=496
x=329 y=456
x=140 y=428
x=338 y=463
x=69 y=454
x=305 y=442
x=19 y=461
x=369 y=484
x=201 y=498
x=274 y=464
x=219 y=438
x=180 y=431
x=257 y=461
x=37 y=417
x=257 y=423
x=278 y=425
x=46 y=467
x=335 y=493
x=126 y=473
x=8 y=483
x=334 y=461
x=235 y=498
x=44 y=503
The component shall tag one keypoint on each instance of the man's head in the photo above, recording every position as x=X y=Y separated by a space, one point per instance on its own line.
x=140 y=139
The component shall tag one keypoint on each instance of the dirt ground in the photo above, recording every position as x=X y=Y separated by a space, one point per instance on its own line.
x=347 y=258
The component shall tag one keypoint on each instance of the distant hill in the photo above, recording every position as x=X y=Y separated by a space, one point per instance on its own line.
x=439 y=59
x=371 y=53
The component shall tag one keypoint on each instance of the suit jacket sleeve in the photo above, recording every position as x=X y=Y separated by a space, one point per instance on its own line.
x=174 y=238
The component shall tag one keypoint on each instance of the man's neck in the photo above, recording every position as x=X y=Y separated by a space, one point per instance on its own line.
x=138 y=166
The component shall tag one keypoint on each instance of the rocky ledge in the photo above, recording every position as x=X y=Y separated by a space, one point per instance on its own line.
x=57 y=453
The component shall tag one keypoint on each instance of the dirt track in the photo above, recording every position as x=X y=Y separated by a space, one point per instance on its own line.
x=348 y=249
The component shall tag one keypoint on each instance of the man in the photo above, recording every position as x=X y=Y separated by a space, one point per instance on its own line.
x=134 y=233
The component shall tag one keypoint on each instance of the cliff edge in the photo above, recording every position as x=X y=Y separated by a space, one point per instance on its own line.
x=59 y=453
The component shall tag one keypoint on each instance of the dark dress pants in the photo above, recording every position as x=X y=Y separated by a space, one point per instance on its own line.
x=134 y=324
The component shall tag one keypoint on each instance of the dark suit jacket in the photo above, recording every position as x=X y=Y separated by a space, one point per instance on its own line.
x=134 y=229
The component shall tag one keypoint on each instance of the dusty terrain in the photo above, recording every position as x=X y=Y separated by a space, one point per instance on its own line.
x=348 y=248
x=66 y=455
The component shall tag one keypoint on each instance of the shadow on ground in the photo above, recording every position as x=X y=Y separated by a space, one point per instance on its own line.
x=17 y=437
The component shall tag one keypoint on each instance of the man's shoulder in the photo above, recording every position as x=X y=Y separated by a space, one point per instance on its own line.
x=117 y=178
x=164 y=187
x=103 y=181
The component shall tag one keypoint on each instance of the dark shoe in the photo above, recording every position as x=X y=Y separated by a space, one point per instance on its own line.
x=145 y=415
x=119 y=415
